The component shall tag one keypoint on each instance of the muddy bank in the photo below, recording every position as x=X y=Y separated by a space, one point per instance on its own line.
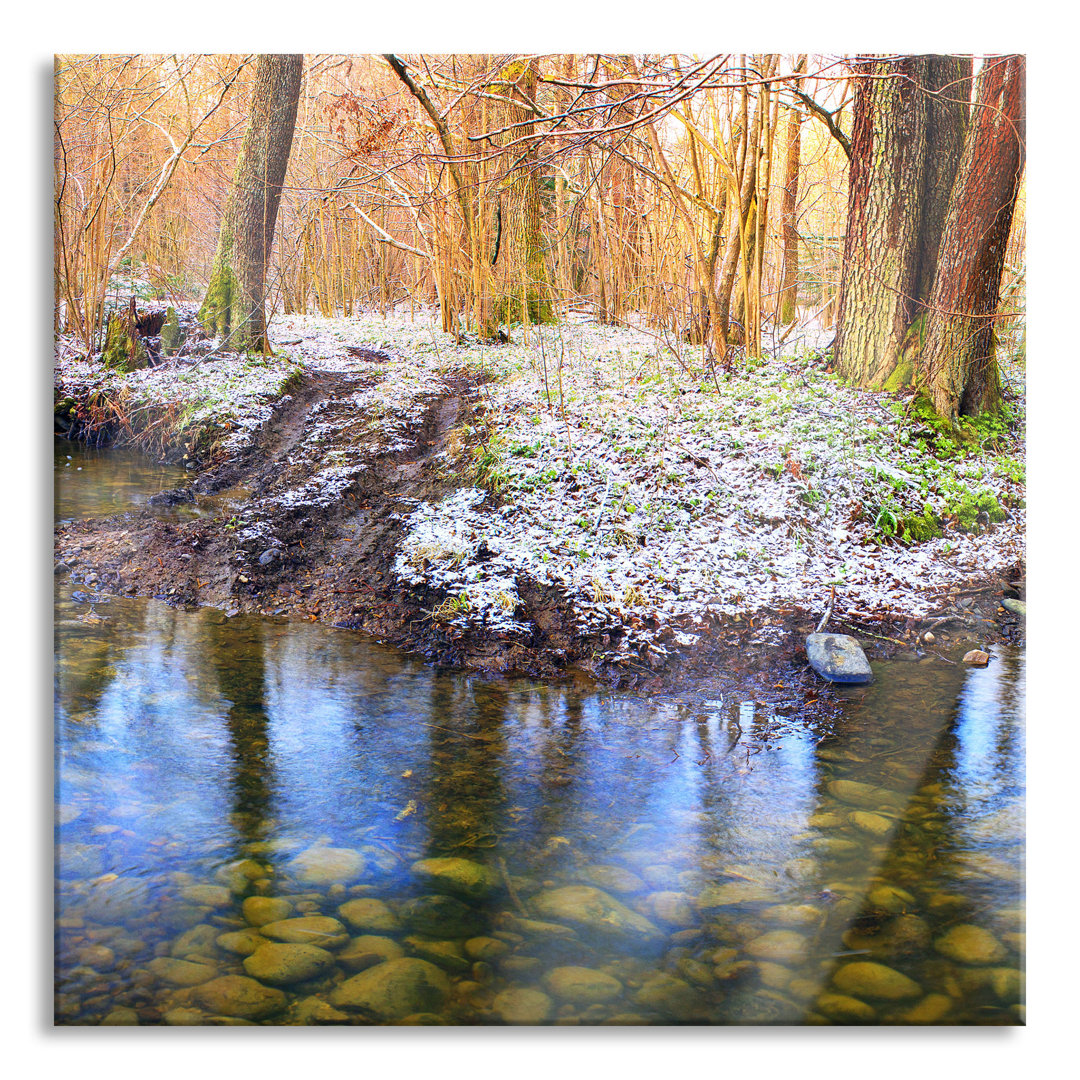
x=550 y=505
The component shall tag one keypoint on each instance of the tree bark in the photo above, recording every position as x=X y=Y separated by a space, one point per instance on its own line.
x=522 y=287
x=789 y=287
x=957 y=360
x=234 y=305
x=904 y=153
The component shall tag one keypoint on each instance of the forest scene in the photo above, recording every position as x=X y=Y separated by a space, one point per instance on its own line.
x=540 y=539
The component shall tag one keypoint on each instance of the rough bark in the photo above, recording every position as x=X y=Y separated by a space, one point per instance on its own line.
x=521 y=283
x=234 y=305
x=904 y=144
x=957 y=360
x=789 y=287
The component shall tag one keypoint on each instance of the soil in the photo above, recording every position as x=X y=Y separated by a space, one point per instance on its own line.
x=286 y=532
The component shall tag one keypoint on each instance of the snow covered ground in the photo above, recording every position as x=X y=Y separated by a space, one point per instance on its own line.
x=647 y=489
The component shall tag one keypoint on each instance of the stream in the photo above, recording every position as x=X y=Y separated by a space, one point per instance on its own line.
x=261 y=820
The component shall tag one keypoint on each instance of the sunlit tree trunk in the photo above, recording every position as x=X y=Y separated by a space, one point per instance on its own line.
x=235 y=298
x=520 y=271
x=957 y=360
x=789 y=221
x=905 y=147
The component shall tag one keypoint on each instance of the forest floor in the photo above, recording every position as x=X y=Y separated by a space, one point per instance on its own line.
x=582 y=497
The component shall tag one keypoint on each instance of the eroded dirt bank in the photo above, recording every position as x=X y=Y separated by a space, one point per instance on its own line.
x=308 y=516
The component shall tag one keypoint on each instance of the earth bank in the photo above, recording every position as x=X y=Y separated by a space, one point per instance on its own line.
x=389 y=488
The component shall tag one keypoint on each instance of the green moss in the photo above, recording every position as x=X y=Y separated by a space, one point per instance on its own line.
x=124 y=350
x=918 y=528
x=972 y=504
x=171 y=335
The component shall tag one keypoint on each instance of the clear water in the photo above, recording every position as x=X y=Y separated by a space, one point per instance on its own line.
x=198 y=750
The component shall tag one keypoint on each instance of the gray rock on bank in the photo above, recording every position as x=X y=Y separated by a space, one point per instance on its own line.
x=838 y=658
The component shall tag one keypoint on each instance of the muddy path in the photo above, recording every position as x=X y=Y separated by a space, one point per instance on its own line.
x=307 y=518
x=305 y=522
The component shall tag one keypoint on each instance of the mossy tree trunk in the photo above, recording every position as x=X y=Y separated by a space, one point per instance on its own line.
x=957 y=362
x=234 y=305
x=789 y=219
x=910 y=116
x=522 y=289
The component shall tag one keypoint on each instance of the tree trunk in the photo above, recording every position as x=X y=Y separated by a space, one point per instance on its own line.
x=522 y=288
x=789 y=287
x=909 y=119
x=234 y=304
x=957 y=360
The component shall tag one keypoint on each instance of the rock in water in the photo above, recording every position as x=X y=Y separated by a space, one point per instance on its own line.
x=1017 y=607
x=462 y=877
x=976 y=658
x=595 y=910
x=838 y=658
x=394 y=989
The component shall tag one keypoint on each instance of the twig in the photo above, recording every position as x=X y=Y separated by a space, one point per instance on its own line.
x=501 y=863
x=828 y=611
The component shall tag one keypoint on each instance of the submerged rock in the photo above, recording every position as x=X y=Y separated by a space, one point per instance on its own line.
x=240 y=996
x=865 y=979
x=968 y=944
x=595 y=910
x=321 y=930
x=369 y=914
x=181 y=972
x=520 y=1005
x=280 y=964
x=582 y=985
x=367 y=950
x=260 y=910
x=394 y=989
x=673 y=998
x=328 y=866
x=838 y=658
x=461 y=877
x=441 y=917
x=1017 y=607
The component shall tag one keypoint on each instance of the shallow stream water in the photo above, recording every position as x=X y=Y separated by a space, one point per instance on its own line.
x=612 y=858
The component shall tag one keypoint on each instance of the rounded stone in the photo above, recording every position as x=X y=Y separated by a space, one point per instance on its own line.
x=614 y=879
x=520 y=1005
x=369 y=914
x=327 y=866
x=673 y=998
x=844 y=1009
x=582 y=985
x=673 y=909
x=367 y=950
x=240 y=996
x=241 y=942
x=180 y=972
x=461 y=877
x=260 y=910
x=583 y=905
x=394 y=989
x=783 y=946
x=281 y=964
x=969 y=944
x=211 y=895
x=865 y=979
x=441 y=916
x=321 y=930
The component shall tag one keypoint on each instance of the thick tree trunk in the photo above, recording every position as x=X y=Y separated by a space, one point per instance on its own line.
x=957 y=361
x=522 y=288
x=904 y=152
x=234 y=304
x=789 y=287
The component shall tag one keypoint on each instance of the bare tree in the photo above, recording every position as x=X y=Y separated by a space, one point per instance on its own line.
x=234 y=307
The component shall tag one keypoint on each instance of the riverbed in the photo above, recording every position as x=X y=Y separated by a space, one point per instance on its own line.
x=447 y=848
